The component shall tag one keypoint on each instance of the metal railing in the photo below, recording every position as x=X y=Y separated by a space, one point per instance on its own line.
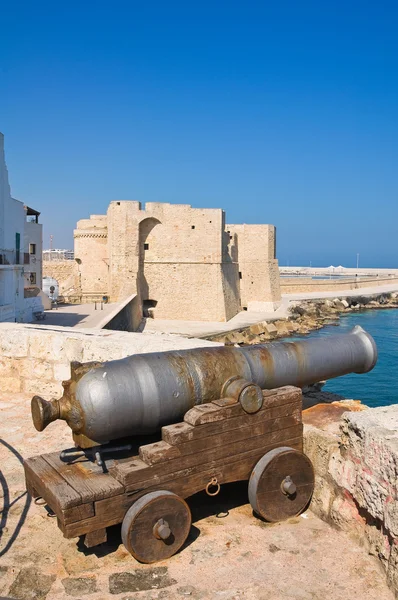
x=8 y=257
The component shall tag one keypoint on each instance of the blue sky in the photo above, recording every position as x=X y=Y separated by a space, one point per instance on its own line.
x=283 y=113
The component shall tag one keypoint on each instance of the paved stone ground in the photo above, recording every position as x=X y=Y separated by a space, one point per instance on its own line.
x=85 y=315
x=77 y=315
x=228 y=556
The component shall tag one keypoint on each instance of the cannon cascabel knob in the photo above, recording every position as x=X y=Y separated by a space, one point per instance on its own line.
x=44 y=412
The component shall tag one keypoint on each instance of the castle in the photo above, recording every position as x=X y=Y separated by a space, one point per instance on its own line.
x=181 y=262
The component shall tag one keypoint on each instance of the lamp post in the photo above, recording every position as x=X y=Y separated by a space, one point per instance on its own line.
x=357 y=260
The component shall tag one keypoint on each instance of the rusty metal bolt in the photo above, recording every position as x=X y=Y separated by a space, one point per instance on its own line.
x=161 y=530
x=288 y=486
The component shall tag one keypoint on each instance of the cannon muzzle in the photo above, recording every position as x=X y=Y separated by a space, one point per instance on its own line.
x=141 y=393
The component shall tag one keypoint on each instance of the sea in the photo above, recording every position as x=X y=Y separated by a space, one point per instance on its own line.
x=379 y=387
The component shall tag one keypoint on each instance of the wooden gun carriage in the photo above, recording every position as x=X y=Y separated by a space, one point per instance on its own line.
x=216 y=443
x=241 y=421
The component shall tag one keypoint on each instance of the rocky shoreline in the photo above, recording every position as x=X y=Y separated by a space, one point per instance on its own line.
x=306 y=316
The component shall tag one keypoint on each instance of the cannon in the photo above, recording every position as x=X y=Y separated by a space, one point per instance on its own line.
x=141 y=393
x=151 y=430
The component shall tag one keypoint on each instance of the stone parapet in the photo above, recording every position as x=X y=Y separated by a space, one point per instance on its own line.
x=356 y=489
x=35 y=359
x=300 y=285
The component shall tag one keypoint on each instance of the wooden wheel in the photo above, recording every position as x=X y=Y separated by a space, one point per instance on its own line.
x=281 y=484
x=156 y=526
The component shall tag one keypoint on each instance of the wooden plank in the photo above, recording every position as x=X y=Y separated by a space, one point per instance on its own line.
x=94 y=538
x=122 y=473
x=211 y=413
x=158 y=452
x=86 y=477
x=183 y=432
x=224 y=402
x=78 y=513
x=49 y=484
x=162 y=478
x=152 y=453
x=206 y=413
x=111 y=511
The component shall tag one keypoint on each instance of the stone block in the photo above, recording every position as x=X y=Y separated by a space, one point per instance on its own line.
x=392 y=568
x=14 y=343
x=281 y=328
x=370 y=441
x=8 y=367
x=103 y=350
x=272 y=330
x=391 y=516
x=74 y=349
x=46 y=389
x=340 y=304
x=62 y=372
x=319 y=446
x=378 y=542
x=257 y=328
x=344 y=514
x=10 y=384
x=343 y=471
x=32 y=368
x=322 y=497
x=47 y=346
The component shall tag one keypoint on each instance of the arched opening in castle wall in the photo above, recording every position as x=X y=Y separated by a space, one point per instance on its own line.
x=147 y=253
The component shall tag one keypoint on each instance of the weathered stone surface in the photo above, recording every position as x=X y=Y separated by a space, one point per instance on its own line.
x=281 y=328
x=272 y=330
x=31 y=584
x=319 y=446
x=370 y=442
x=80 y=586
x=257 y=329
x=42 y=360
x=339 y=304
x=10 y=384
x=136 y=581
x=13 y=343
x=62 y=371
x=34 y=368
x=189 y=591
x=46 y=389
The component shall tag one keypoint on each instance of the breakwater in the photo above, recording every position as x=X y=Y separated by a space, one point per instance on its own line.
x=321 y=318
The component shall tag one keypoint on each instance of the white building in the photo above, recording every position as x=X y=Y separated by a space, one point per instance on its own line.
x=58 y=254
x=33 y=241
x=13 y=254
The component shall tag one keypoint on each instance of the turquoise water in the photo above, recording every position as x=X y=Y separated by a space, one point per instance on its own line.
x=380 y=386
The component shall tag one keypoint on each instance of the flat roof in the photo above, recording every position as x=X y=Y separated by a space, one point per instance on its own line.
x=32 y=212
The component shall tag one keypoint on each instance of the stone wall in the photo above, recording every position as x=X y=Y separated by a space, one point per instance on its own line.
x=126 y=316
x=91 y=258
x=356 y=467
x=35 y=359
x=258 y=268
x=297 y=285
x=177 y=259
x=194 y=291
x=65 y=272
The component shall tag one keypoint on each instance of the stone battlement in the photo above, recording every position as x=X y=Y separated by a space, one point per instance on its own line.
x=182 y=262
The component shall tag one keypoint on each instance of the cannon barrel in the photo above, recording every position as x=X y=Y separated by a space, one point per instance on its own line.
x=141 y=393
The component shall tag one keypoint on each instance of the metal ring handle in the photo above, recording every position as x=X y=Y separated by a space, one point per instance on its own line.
x=213 y=483
x=39 y=501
